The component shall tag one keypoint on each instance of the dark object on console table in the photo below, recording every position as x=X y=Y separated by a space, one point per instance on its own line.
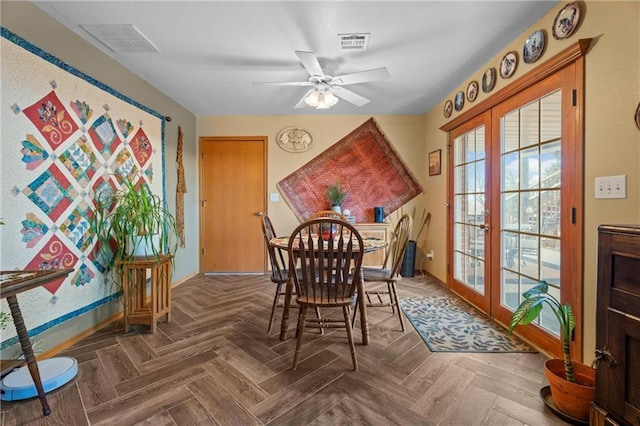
x=618 y=327
x=12 y=283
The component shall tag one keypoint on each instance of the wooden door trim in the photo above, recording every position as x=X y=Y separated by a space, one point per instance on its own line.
x=265 y=162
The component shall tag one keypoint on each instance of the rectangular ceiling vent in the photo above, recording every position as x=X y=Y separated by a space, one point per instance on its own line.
x=356 y=41
x=121 y=37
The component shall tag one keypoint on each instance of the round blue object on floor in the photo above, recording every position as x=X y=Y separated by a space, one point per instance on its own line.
x=54 y=372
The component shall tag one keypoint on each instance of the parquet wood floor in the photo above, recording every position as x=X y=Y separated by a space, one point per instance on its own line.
x=215 y=364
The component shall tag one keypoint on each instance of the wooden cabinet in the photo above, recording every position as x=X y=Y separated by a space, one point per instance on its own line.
x=618 y=326
x=373 y=230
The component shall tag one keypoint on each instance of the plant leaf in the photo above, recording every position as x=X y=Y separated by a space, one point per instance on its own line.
x=542 y=288
x=528 y=310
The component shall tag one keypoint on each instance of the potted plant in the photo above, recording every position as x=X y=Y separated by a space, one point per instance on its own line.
x=336 y=196
x=572 y=383
x=133 y=221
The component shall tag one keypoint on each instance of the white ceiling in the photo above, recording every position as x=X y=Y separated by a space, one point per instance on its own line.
x=212 y=51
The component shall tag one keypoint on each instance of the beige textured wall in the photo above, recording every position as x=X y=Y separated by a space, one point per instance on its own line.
x=406 y=134
x=612 y=141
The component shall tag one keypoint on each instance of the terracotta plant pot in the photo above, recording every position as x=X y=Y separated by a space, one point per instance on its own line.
x=572 y=399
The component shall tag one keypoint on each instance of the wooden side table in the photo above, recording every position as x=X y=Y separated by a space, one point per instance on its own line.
x=12 y=283
x=140 y=308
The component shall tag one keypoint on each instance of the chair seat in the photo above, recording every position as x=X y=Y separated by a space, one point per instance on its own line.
x=378 y=274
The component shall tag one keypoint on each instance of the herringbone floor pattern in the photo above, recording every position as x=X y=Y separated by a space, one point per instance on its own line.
x=214 y=364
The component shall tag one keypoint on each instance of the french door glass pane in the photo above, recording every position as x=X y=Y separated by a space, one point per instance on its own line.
x=469 y=209
x=530 y=201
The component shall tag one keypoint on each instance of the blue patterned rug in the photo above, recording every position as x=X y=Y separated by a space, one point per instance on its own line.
x=448 y=324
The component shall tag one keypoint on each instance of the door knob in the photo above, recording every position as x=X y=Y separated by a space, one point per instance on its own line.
x=259 y=214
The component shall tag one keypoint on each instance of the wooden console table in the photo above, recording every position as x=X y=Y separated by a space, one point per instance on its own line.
x=12 y=283
x=138 y=309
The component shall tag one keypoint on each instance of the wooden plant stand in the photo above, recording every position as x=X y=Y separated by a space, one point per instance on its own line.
x=140 y=308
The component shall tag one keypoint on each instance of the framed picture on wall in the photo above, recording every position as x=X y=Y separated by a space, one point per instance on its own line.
x=434 y=162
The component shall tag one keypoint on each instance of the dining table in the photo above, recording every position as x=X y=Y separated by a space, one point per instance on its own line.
x=370 y=245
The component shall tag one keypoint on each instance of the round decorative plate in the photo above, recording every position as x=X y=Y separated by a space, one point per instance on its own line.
x=533 y=47
x=295 y=139
x=638 y=116
x=566 y=21
x=448 y=108
x=489 y=80
x=459 y=101
x=509 y=64
x=472 y=91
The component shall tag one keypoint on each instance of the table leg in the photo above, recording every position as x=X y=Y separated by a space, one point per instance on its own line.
x=362 y=302
x=25 y=343
x=285 y=311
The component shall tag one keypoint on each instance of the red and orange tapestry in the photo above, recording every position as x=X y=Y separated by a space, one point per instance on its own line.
x=367 y=165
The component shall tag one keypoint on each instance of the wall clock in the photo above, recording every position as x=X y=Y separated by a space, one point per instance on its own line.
x=295 y=139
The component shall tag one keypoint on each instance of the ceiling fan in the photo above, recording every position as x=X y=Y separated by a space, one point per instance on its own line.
x=325 y=87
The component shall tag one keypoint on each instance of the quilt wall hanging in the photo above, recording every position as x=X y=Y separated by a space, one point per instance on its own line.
x=65 y=137
x=367 y=165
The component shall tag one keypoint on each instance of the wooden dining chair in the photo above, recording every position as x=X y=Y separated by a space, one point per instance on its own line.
x=279 y=270
x=329 y=214
x=389 y=273
x=328 y=277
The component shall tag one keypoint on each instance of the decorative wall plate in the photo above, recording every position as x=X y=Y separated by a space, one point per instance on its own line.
x=533 y=47
x=459 y=100
x=566 y=21
x=638 y=116
x=509 y=64
x=448 y=108
x=489 y=80
x=472 y=91
x=295 y=139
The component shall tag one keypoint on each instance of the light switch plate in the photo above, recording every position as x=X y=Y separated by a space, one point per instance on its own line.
x=274 y=196
x=611 y=187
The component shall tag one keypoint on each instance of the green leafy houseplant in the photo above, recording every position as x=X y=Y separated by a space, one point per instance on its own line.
x=129 y=212
x=530 y=308
x=336 y=194
x=571 y=383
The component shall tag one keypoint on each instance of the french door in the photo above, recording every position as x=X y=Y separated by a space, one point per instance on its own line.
x=516 y=198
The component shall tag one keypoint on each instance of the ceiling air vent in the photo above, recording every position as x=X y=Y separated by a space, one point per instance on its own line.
x=121 y=37
x=358 y=41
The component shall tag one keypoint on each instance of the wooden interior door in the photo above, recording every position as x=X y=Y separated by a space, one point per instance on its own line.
x=233 y=197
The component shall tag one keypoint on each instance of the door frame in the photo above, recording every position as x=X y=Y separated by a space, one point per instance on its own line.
x=265 y=165
x=572 y=55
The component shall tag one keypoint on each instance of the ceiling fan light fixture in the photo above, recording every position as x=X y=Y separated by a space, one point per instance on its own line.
x=312 y=99
x=321 y=99
x=330 y=99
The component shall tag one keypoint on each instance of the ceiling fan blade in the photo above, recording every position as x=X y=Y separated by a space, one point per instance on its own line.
x=302 y=103
x=361 y=77
x=310 y=63
x=349 y=96
x=283 y=83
